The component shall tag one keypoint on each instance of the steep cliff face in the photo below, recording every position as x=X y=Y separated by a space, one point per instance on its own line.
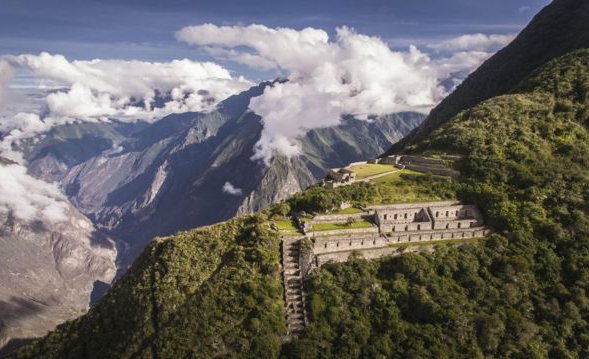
x=51 y=155
x=283 y=178
x=49 y=271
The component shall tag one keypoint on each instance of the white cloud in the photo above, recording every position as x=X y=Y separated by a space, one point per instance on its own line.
x=351 y=74
x=101 y=89
x=6 y=74
x=474 y=42
x=98 y=90
x=27 y=198
x=232 y=190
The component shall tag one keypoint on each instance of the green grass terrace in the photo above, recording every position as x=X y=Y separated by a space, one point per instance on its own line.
x=367 y=170
x=410 y=186
x=350 y=210
x=285 y=225
x=335 y=226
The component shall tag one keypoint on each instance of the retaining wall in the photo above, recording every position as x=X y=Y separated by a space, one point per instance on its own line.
x=338 y=244
x=457 y=224
x=336 y=232
x=414 y=205
x=369 y=252
x=339 y=218
x=404 y=227
x=346 y=244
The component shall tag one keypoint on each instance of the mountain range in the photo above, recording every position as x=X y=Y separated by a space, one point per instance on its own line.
x=135 y=181
x=518 y=125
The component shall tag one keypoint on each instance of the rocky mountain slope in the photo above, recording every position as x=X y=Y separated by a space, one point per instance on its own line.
x=521 y=293
x=138 y=181
x=49 y=272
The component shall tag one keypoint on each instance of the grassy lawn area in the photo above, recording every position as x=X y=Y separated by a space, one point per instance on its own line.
x=333 y=226
x=418 y=188
x=367 y=170
x=285 y=225
x=350 y=210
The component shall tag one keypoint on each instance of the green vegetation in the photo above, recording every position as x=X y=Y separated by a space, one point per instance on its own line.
x=410 y=186
x=560 y=28
x=521 y=293
x=334 y=226
x=399 y=187
x=349 y=210
x=370 y=169
x=214 y=291
x=285 y=225
x=321 y=200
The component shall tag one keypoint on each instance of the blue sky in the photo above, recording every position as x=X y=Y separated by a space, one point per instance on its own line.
x=144 y=29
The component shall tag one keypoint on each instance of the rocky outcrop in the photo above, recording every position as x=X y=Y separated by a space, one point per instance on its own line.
x=282 y=179
x=49 y=271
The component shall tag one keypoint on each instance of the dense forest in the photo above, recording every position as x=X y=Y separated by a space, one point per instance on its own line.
x=211 y=291
x=524 y=291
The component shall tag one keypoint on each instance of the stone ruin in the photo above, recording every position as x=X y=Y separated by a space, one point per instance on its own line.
x=337 y=177
x=437 y=166
x=394 y=224
x=440 y=166
x=410 y=223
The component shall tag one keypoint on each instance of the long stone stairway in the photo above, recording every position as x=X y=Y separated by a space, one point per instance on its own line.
x=296 y=317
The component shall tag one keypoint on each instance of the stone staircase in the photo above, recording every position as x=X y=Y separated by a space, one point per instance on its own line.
x=296 y=316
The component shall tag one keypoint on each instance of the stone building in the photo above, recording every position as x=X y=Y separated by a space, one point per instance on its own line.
x=339 y=177
x=397 y=228
x=427 y=216
x=402 y=219
x=455 y=216
x=394 y=224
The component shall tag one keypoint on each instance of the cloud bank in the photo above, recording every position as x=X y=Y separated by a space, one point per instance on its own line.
x=99 y=90
x=327 y=78
x=351 y=74
x=27 y=198
x=127 y=90
x=96 y=90
x=474 y=42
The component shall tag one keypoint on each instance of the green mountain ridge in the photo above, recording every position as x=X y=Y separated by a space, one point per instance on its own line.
x=560 y=27
x=521 y=293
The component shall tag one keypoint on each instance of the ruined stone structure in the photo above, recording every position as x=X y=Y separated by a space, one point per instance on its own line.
x=438 y=166
x=429 y=216
x=388 y=160
x=339 y=177
x=395 y=224
x=397 y=228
